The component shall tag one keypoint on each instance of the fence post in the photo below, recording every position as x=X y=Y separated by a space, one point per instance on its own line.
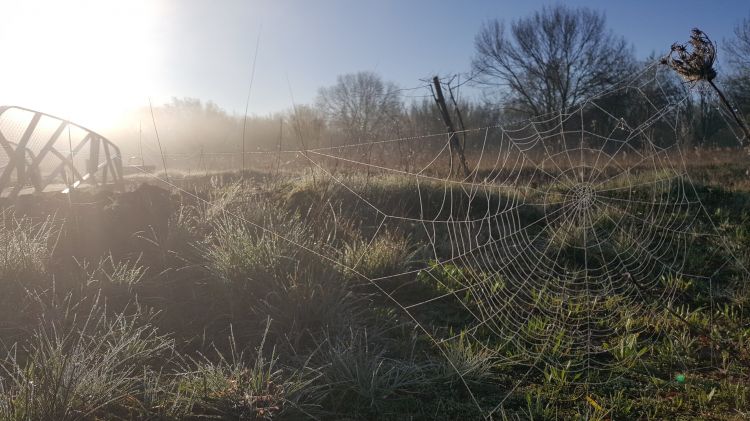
x=455 y=145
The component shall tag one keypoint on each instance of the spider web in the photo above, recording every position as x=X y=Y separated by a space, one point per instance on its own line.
x=569 y=236
x=561 y=237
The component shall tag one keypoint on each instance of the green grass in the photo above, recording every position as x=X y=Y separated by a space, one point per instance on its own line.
x=289 y=321
x=85 y=364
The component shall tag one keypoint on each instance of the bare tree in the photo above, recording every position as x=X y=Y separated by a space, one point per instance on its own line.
x=738 y=52
x=551 y=60
x=361 y=105
x=307 y=125
x=738 y=48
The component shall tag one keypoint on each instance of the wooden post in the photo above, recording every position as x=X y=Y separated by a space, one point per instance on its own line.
x=455 y=145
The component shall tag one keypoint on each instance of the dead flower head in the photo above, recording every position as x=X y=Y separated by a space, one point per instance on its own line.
x=693 y=61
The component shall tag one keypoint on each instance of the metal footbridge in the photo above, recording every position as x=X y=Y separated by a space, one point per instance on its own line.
x=40 y=152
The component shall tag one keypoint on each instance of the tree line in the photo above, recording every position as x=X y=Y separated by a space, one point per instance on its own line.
x=549 y=62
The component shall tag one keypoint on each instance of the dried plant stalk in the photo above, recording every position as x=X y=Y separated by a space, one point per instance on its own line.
x=694 y=62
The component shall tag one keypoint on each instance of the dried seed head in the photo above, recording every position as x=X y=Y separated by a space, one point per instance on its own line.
x=695 y=63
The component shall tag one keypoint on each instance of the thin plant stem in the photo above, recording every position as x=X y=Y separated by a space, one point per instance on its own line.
x=731 y=109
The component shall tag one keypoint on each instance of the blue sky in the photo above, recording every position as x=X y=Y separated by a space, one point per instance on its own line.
x=313 y=41
x=86 y=57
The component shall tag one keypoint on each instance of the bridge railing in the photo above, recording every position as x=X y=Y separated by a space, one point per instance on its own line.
x=40 y=152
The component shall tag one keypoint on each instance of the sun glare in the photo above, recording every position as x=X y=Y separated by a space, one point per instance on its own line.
x=84 y=60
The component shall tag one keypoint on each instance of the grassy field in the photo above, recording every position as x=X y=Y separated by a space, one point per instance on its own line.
x=282 y=297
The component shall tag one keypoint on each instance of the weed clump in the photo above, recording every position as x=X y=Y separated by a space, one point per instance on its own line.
x=240 y=387
x=385 y=255
x=25 y=247
x=84 y=365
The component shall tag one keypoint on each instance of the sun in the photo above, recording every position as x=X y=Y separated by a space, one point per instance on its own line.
x=88 y=61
